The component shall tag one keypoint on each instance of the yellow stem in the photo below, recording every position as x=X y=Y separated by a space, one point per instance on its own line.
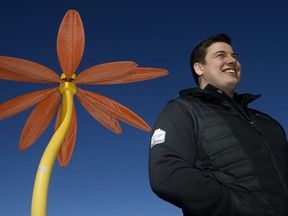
x=41 y=184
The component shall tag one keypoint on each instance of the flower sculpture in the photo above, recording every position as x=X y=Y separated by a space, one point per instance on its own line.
x=70 y=48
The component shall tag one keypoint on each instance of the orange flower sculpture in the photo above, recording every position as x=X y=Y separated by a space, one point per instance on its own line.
x=70 y=48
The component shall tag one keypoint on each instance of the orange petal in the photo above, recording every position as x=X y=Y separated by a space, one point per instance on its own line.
x=105 y=119
x=39 y=120
x=67 y=147
x=115 y=109
x=23 y=102
x=105 y=72
x=26 y=71
x=70 y=42
x=138 y=74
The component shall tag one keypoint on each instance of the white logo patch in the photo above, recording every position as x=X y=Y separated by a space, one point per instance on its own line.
x=158 y=137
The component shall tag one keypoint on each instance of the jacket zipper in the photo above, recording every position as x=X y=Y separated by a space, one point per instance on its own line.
x=264 y=142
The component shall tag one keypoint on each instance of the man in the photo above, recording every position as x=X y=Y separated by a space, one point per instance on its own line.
x=212 y=155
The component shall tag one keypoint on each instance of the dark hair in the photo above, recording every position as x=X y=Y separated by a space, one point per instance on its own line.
x=200 y=51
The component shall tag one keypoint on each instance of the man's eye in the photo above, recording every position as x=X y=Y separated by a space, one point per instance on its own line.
x=220 y=55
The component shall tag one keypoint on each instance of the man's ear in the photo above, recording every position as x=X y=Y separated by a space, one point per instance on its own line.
x=198 y=67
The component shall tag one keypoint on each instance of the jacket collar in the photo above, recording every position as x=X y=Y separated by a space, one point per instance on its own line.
x=212 y=93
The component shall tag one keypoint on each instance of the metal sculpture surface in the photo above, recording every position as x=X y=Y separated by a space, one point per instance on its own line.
x=70 y=48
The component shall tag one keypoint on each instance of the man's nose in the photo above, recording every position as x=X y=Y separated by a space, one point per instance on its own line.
x=231 y=59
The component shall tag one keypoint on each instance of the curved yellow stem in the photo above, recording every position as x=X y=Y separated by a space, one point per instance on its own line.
x=41 y=184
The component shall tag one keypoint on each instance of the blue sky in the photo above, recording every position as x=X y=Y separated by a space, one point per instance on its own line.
x=108 y=173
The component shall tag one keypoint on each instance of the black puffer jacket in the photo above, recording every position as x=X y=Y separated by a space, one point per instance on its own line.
x=211 y=155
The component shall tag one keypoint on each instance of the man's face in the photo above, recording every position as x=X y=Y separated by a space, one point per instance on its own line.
x=222 y=68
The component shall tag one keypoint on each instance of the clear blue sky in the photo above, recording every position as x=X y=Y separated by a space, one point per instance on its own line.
x=108 y=173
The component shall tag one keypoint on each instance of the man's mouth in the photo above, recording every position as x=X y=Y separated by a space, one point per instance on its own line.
x=229 y=70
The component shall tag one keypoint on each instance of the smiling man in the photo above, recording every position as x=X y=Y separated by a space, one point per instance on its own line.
x=220 y=68
x=212 y=155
